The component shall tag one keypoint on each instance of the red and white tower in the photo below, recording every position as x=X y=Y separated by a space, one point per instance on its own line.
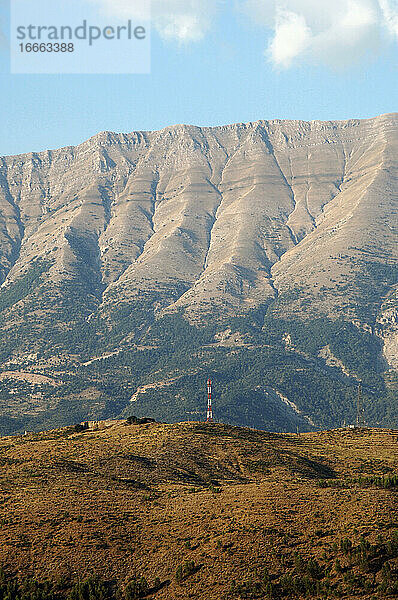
x=209 y=407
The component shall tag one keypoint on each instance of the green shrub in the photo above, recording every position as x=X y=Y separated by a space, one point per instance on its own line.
x=185 y=570
x=136 y=588
x=79 y=428
x=90 y=589
x=346 y=546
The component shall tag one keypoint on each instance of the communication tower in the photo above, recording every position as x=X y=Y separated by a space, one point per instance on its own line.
x=359 y=407
x=209 y=418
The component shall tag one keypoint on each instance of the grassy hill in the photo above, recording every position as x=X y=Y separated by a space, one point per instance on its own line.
x=198 y=511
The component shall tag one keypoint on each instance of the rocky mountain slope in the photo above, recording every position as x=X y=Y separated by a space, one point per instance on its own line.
x=277 y=220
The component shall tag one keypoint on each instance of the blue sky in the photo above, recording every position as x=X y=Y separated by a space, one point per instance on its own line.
x=218 y=62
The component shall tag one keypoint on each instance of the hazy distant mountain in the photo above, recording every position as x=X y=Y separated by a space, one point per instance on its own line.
x=190 y=251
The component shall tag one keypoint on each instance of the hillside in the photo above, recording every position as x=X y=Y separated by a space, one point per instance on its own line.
x=201 y=511
x=261 y=254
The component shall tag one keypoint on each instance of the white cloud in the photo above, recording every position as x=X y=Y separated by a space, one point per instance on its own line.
x=292 y=36
x=390 y=14
x=181 y=20
x=334 y=32
x=337 y=33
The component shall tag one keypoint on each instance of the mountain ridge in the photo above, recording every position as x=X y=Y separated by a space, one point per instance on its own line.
x=176 y=126
x=271 y=219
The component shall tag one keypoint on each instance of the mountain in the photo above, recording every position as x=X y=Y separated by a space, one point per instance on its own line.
x=197 y=511
x=263 y=255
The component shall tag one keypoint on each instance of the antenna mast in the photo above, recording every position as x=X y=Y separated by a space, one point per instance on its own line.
x=209 y=418
x=359 y=405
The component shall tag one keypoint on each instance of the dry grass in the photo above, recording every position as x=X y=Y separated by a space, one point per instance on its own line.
x=144 y=499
